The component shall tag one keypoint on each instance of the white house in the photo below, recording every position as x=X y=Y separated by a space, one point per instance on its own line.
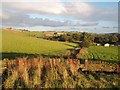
x=98 y=44
x=107 y=45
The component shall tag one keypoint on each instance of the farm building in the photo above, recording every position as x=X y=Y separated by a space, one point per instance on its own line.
x=107 y=45
x=98 y=44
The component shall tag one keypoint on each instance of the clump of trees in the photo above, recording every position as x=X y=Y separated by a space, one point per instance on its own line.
x=85 y=43
x=107 y=38
x=113 y=39
x=86 y=39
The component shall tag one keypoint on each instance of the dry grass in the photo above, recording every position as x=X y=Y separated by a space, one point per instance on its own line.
x=49 y=73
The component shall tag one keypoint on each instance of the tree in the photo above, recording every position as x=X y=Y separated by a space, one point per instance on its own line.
x=84 y=43
x=70 y=39
x=97 y=40
x=55 y=33
x=118 y=37
x=76 y=36
x=105 y=39
x=102 y=39
x=113 y=39
x=63 y=38
x=87 y=36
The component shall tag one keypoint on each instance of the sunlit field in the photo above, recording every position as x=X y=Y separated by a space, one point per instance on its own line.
x=16 y=42
x=103 y=53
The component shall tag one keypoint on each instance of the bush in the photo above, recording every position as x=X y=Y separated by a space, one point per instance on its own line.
x=85 y=43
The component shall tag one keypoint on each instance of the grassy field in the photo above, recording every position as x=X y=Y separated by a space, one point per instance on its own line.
x=53 y=72
x=16 y=42
x=103 y=53
x=19 y=44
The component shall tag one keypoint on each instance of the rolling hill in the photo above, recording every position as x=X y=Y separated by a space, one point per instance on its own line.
x=16 y=42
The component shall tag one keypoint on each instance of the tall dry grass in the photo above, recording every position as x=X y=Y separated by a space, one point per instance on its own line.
x=48 y=73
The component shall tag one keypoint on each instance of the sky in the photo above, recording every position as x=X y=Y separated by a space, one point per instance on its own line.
x=60 y=15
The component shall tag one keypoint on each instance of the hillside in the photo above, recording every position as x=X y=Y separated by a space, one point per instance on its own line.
x=23 y=43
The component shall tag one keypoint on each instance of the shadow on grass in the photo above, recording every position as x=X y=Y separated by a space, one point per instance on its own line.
x=71 y=45
x=13 y=55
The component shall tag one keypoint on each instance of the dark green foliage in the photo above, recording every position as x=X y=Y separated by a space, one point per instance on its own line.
x=107 y=38
x=85 y=43
x=113 y=39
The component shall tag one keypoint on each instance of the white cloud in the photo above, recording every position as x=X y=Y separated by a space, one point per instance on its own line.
x=4 y=16
x=38 y=7
x=21 y=20
x=16 y=13
x=54 y=7
x=81 y=9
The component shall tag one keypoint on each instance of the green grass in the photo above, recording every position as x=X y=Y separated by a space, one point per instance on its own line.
x=35 y=34
x=24 y=42
x=103 y=53
x=16 y=43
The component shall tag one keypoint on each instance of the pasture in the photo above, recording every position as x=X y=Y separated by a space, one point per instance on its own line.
x=103 y=53
x=16 y=43
x=19 y=44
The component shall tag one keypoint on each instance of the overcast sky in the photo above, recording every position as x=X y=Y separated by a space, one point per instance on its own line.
x=98 y=17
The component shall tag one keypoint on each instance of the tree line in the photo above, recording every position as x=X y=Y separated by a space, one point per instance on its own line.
x=85 y=39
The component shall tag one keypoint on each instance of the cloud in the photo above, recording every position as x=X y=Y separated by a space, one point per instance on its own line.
x=107 y=14
x=78 y=10
x=17 y=13
x=58 y=8
x=115 y=27
x=39 y=7
x=4 y=16
x=90 y=24
x=22 y=20
x=88 y=12
x=105 y=27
